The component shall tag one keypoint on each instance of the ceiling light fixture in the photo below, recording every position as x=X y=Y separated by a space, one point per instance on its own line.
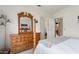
x=39 y=5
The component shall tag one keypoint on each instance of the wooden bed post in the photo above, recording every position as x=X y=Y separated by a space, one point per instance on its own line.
x=34 y=34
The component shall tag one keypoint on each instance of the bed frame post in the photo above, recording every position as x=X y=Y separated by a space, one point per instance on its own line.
x=34 y=34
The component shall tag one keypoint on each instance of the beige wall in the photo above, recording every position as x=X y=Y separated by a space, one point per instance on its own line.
x=70 y=21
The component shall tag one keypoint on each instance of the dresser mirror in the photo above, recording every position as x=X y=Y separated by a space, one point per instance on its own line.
x=25 y=22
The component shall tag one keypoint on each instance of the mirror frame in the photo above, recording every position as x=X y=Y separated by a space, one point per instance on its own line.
x=24 y=14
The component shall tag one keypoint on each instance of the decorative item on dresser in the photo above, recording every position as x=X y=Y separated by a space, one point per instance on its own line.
x=25 y=39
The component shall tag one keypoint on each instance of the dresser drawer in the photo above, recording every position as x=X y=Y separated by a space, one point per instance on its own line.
x=15 y=38
x=26 y=35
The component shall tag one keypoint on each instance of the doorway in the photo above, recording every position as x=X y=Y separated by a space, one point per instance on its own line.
x=58 y=27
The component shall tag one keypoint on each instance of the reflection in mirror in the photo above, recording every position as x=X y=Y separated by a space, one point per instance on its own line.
x=25 y=24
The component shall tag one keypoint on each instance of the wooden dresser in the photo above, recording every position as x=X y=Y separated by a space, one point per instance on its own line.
x=25 y=39
x=21 y=42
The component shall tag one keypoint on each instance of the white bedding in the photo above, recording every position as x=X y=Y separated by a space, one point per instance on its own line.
x=66 y=47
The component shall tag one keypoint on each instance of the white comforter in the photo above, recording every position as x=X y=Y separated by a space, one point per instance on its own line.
x=69 y=46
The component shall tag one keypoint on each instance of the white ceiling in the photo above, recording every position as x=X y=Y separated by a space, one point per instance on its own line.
x=50 y=9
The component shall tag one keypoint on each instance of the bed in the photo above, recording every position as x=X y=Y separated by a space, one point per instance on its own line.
x=60 y=46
